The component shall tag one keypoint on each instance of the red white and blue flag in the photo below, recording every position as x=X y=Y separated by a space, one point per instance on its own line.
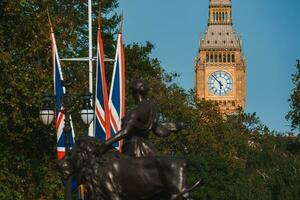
x=117 y=91
x=102 y=129
x=59 y=90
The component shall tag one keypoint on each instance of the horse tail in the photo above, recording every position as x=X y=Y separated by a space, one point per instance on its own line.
x=199 y=170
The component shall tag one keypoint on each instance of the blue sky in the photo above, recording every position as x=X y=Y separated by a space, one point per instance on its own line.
x=270 y=32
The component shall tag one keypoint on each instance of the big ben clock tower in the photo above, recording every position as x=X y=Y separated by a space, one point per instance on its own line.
x=220 y=65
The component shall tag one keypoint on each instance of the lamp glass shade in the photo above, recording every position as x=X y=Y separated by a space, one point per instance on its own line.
x=46 y=116
x=87 y=116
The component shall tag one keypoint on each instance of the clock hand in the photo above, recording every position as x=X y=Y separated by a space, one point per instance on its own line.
x=220 y=83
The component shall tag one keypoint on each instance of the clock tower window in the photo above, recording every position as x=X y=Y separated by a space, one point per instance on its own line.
x=216 y=57
x=224 y=58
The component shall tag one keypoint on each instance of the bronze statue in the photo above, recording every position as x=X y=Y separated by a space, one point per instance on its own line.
x=139 y=122
x=138 y=173
x=115 y=176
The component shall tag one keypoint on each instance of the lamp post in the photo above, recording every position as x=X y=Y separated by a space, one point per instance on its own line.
x=69 y=105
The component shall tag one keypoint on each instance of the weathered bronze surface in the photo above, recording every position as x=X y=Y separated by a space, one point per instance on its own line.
x=140 y=122
x=115 y=176
x=138 y=173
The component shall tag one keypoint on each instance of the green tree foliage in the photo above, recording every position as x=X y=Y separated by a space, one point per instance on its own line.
x=27 y=149
x=294 y=114
x=241 y=158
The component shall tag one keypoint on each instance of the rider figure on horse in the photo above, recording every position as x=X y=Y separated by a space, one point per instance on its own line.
x=139 y=123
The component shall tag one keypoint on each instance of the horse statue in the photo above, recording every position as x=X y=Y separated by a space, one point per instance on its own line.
x=111 y=175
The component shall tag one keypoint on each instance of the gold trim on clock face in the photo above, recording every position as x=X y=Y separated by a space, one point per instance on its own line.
x=220 y=83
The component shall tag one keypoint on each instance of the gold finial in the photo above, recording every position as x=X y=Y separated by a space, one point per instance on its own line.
x=49 y=19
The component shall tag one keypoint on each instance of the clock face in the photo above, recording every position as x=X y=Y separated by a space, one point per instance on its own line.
x=220 y=83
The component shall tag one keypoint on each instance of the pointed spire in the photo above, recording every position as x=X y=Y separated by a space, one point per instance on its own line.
x=200 y=40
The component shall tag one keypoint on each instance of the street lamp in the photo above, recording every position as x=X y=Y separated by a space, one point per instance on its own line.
x=69 y=105
x=46 y=114
x=87 y=112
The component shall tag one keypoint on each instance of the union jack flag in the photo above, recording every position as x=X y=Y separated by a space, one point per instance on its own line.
x=102 y=130
x=117 y=91
x=59 y=90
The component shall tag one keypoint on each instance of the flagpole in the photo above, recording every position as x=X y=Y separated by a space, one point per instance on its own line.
x=49 y=20
x=90 y=132
x=121 y=24
x=90 y=58
x=67 y=128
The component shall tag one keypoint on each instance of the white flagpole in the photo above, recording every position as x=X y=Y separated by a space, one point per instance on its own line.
x=90 y=60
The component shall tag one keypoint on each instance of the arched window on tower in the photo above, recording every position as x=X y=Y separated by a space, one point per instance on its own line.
x=211 y=58
x=220 y=57
x=214 y=17
x=224 y=57
x=217 y=16
x=232 y=58
x=223 y=16
x=216 y=57
x=226 y=17
x=228 y=57
x=207 y=57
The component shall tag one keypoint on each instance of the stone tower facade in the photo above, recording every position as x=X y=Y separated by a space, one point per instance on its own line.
x=220 y=66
